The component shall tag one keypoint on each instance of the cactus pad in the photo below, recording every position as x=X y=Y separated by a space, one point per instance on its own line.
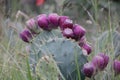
x=64 y=52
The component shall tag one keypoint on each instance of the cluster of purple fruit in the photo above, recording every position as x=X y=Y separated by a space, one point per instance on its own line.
x=98 y=63
x=53 y=21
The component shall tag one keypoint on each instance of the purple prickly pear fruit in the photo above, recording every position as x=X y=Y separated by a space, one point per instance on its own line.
x=31 y=25
x=79 y=31
x=26 y=35
x=68 y=23
x=99 y=62
x=54 y=19
x=61 y=21
x=82 y=41
x=87 y=47
x=116 y=67
x=89 y=69
x=43 y=22
x=105 y=57
x=68 y=33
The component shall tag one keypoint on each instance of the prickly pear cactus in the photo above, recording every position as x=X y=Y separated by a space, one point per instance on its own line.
x=47 y=69
x=104 y=38
x=65 y=52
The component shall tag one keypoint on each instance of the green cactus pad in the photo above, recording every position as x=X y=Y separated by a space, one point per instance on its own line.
x=104 y=38
x=65 y=52
x=46 y=35
x=42 y=38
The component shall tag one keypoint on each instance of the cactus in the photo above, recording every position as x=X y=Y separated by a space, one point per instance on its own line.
x=104 y=38
x=64 y=51
x=46 y=69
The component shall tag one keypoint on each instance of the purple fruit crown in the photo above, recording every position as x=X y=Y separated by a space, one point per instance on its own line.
x=53 y=21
